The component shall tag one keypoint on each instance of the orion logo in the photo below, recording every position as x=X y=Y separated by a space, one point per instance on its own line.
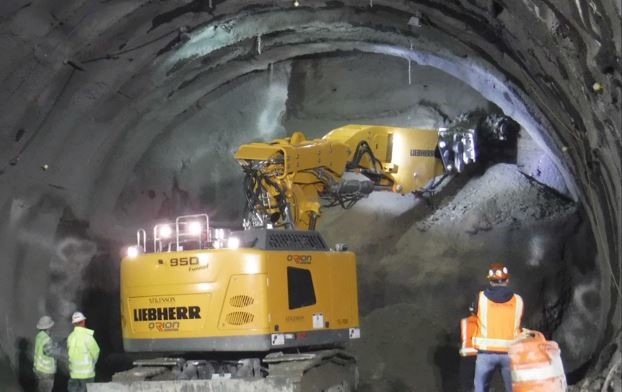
x=165 y=326
x=300 y=259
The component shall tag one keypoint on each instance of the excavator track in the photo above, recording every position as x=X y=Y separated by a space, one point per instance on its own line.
x=331 y=370
x=321 y=371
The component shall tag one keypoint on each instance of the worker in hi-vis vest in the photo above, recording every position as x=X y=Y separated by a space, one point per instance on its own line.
x=499 y=312
x=46 y=352
x=83 y=352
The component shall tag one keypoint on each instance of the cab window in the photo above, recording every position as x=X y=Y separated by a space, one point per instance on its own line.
x=300 y=288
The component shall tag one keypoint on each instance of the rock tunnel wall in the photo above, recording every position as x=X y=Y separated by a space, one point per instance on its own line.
x=98 y=91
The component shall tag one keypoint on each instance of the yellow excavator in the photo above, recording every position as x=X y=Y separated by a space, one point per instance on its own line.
x=272 y=304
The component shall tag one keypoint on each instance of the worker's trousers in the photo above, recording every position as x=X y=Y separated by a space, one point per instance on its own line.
x=485 y=366
x=78 y=385
x=45 y=384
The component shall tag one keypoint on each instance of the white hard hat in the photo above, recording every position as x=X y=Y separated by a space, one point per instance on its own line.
x=45 y=322
x=77 y=317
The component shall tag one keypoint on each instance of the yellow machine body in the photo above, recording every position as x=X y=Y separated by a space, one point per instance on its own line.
x=407 y=154
x=245 y=299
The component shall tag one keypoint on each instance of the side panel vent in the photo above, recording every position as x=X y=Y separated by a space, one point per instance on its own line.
x=245 y=305
x=295 y=240
x=239 y=318
x=240 y=301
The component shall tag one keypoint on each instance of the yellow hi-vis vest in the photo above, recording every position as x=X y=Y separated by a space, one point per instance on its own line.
x=43 y=363
x=498 y=323
x=83 y=352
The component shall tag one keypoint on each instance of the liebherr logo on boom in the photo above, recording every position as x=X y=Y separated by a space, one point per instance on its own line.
x=422 y=153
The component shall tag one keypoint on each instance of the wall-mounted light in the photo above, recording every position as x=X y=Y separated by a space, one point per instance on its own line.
x=296 y=3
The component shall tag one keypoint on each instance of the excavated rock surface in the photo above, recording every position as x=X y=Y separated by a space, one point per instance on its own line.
x=503 y=196
x=607 y=373
x=436 y=261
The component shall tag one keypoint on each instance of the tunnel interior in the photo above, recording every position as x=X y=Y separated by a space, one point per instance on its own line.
x=118 y=114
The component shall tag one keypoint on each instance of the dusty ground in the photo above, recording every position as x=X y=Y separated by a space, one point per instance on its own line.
x=607 y=374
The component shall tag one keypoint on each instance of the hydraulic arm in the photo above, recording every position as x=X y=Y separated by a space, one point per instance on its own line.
x=287 y=181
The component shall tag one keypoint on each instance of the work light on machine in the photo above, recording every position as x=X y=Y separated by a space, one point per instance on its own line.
x=132 y=252
x=195 y=228
x=233 y=243
x=165 y=231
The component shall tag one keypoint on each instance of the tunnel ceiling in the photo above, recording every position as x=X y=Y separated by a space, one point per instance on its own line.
x=89 y=87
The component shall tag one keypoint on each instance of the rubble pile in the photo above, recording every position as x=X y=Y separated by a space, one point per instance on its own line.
x=607 y=376
x=503 y=196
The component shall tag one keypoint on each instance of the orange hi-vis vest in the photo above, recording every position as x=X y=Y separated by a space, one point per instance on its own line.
x=498 y=323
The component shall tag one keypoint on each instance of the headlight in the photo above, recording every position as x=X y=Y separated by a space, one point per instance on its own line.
x=166 y=231
x=132 y=252
x=195 y=228
x=233 y=243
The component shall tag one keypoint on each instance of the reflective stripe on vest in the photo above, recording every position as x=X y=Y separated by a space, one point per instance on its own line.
x=81 y=366
x=467 y=352
x=554 y=370
x=495 y=332
x=43 y=363
x=482 y=343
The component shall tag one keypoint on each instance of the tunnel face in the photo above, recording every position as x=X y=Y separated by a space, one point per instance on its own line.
x=117 y=114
